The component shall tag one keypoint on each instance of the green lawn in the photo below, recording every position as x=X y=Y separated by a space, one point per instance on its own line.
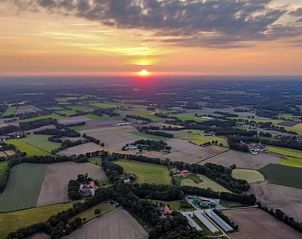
x=196 y=137
x=283 y=175
x=52 y=116
x=10 y=111
x=3 y=167
x=13 y=221
x=188 y=116
x=293 y=157
x=250 y=175
x=206 y=183
x=146 y=172
x=34 y=145
x=23 y=187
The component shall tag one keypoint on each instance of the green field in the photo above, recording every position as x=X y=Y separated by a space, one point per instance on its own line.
x=293 y=157
x=23 y=187
x=206 y=183
x=79 y=127
x=106 y=105
x=34 y=145
x=3 y=167
x=297 y=128
x=66 y=112
x=10 y=111
x=13 y=221
x=146 y=114
x=89 y=213
x=196 y=137
x=283 y=175
x=250 y=175
x=82 y=108
x=52 y=116
x=146 y=172
x=188 y=116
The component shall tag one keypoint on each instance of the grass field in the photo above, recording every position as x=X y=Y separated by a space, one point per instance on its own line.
x=196 y=137
x=79 y=127
x=10 y=111
x=146 y=114
x=250 y=175
x=66 y=112
x=293 y=157
x=14 y=220
x=206 y=183
x=34 y=145
x=3 y=166
x=23 y=187
x=81 y=108
x=188 y=116
x=105 y=105
x=283 y=175
x=52 y=116
x=297 y=128
x=146 y=172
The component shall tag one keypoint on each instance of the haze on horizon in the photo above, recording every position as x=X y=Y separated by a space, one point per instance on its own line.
x=166 y=37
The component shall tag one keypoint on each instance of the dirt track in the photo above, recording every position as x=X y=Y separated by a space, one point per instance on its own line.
x=57 y=176
x=256 y=224
x=118 y=224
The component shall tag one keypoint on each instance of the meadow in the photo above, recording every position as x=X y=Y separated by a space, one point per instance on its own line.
x=297 y=128
x=206 y=183
x=34 y=145
x=293 y=157
x=188 y=116
x=146 y=172
x=283 y=175
x=3 y=167
x=12 y=221
x=250 y=175
x=10 y=111
x=23 y=187
x=50 y=116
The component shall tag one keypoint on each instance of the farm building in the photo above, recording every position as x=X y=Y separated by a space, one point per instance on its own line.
x=220 y=222
x=88 y=190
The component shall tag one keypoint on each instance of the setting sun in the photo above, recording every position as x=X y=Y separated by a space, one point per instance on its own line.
x=144 y=73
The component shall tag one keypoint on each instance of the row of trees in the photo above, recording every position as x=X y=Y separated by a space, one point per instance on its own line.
x=150 y=145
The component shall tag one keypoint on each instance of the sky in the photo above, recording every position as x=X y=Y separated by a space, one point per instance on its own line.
x=165 y=37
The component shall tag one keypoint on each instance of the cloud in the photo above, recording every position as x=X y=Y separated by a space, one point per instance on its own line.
x=214 y=23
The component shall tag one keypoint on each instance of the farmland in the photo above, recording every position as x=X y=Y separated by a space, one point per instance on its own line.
x=34 y=145
x=206 y=183
x=3 y=167
x=250 y=175
x=283 y=175
x=12 y=221
x=113 y=225
x=51 y=116
x=10 y=111
x=292 y=157
x=188 y=116
x=81 y=149
x=25 y=181
x=145 y=172
x=57 y=176
x=255 y=223
x=297 y=128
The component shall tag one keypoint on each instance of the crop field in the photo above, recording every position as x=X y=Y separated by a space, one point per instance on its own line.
x=206 y=183
x=255 y=223
x=10 y=111
x=81 y=149
x=292 y=157
x=112 y=225
x=82 y=108
x=188 y=116
x=196 y=137
x=148 y=136
x=51 y=116
x=182 y=150
x=57 y=176
x=3 y=167
x=244 y=160
x=13 y=221
x=283 y=175
x=34 y=145
x=23 y=187
x=106 y=105
x=297 y=128
x=146 y=172
x=250 y=175
x=66 y=112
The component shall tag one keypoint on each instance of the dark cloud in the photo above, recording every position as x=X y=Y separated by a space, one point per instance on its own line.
x=217 y=23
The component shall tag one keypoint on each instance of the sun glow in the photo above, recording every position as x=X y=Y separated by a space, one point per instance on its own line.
x=144 y=73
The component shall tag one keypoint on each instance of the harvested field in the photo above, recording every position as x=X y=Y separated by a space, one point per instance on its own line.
x=81 y=149
x=2 y=154
x=254 y=223
x=113 y=137
x=206 y=183
x=23 y=187
x=146 y=172
x=9 y=152
x=276 y=196
x=118 y=224
x=57 y=176
x=102 y=123
x=182 y=150
x=244 y=160
x=297 y=128
x=283 y=175
x=292 y=157
x=27 y=109
x=13 y=221
x=250 y=175
x=73 y=120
